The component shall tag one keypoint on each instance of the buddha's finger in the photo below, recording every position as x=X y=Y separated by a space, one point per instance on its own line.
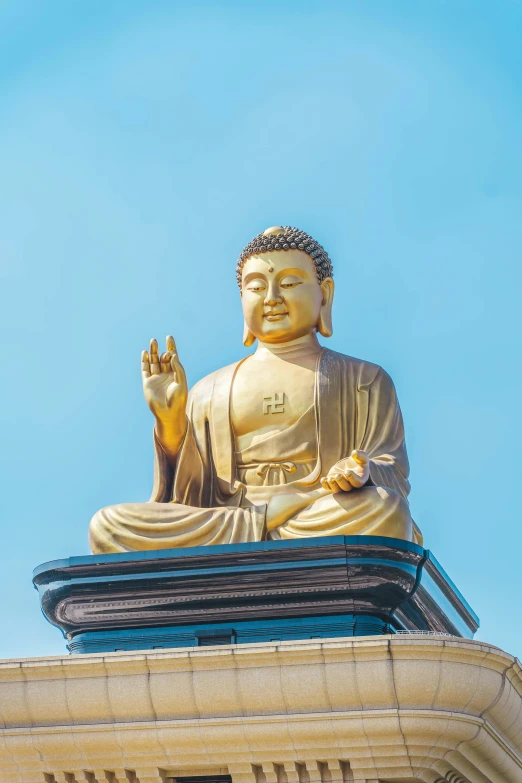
x=171 y=344
x=354 y=479
x=342 y=482
x=332 y=483
x=360 y=457
x=165 y=361
x=145 y=364
x=178 y=369
x=153 y=348
x=334 y=487
x=154 y=358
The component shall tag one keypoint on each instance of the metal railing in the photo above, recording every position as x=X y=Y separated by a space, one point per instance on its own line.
x=429 y=633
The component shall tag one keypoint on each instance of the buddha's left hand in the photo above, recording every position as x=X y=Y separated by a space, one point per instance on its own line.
x=347 y=474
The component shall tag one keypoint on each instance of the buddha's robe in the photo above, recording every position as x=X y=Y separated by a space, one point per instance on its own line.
x=215 y=495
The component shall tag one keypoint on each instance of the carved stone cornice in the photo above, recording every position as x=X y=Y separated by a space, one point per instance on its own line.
x=381 y=708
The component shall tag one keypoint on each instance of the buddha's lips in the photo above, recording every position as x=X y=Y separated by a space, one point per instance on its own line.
x=275 y=316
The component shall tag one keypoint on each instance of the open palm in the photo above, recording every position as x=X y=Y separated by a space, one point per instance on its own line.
x=164 y=381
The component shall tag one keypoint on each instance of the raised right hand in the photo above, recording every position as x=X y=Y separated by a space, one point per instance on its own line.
x=166 y=391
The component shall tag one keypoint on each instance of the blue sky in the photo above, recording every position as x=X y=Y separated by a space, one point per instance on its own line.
x=142 y=144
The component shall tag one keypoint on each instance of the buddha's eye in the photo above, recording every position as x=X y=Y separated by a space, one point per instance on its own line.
x=290 y=282
x=256 y=286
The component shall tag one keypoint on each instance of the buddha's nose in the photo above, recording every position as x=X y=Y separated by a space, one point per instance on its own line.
x=273 y=296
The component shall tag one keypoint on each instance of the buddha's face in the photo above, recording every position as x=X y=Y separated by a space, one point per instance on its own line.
x=281 y=295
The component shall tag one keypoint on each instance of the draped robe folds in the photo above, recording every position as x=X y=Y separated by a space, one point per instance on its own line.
x=200 y=499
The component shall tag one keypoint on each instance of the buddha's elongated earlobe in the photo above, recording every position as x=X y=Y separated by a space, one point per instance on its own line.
x=324 y=323
x=248 y=338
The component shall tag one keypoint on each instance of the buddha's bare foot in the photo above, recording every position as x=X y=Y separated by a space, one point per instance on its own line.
x=281 y=508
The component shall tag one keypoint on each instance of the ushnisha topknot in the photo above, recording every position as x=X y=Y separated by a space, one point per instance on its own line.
x=287 y=238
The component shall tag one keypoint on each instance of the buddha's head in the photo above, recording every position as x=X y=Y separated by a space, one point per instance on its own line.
x=285 y=278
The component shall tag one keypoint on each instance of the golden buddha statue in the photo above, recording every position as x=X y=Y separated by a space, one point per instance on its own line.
x=293 y=441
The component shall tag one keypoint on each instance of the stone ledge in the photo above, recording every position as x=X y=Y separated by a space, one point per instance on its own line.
x=389 y=708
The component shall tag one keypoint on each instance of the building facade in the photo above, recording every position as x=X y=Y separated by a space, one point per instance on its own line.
x=395 y=709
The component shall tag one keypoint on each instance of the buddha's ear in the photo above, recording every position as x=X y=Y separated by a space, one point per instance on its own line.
x=248 y=338
x=324 y=324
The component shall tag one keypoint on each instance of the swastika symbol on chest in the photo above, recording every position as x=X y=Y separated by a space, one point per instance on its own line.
x=274 y=403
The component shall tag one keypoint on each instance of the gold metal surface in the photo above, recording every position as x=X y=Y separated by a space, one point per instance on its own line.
x=293 y=441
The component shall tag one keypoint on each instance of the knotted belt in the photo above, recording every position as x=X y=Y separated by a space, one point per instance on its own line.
x=284 y=468
x=264 y=468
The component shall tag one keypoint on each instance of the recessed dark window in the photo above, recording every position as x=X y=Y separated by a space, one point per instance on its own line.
x=210 y=641
x=205 y=779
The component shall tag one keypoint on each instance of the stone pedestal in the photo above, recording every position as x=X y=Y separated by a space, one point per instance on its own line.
x=270 y=591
